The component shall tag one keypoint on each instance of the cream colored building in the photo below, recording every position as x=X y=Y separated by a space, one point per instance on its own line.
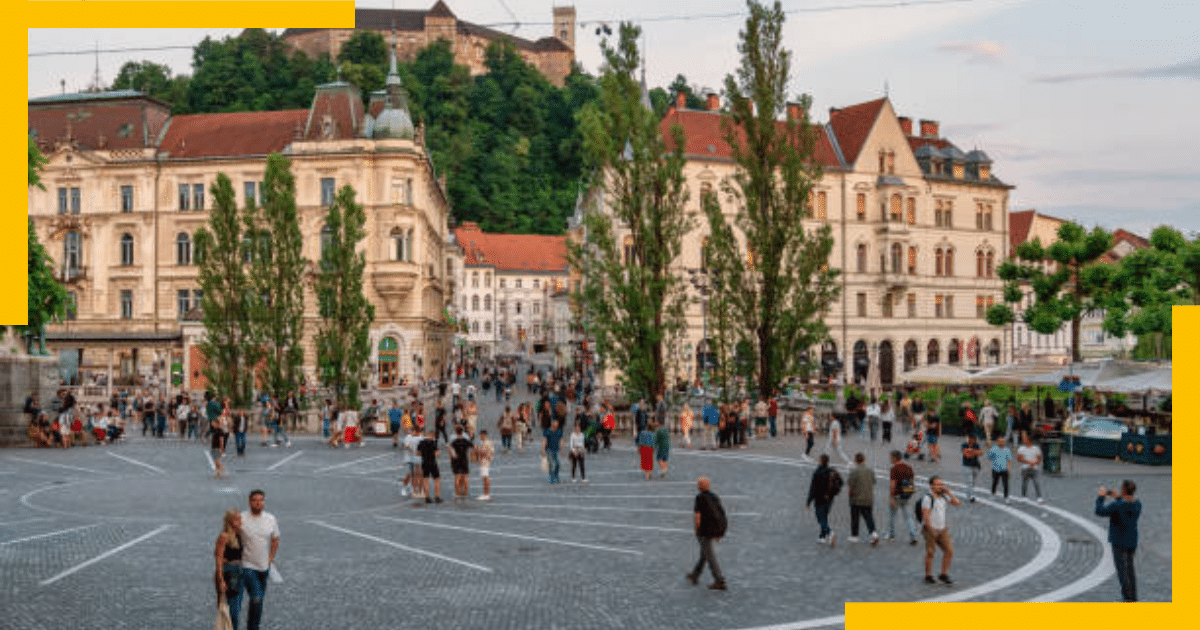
x=919 y=229
x=128 y=186
x=416 y=29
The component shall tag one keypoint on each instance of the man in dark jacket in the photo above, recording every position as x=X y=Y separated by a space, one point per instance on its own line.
x=710 y=527
x=820 y=493
x=1122 y=516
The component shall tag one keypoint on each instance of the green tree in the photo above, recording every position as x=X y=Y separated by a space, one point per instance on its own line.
x=230 y=344
x=781 y=288
x=1147 y=283
x=148 y=78
x=1078 y=283
x=277 y=271
x=46 y=298
x=367 y=48
x=343 y=341
x=680 y=84
x=631 y=298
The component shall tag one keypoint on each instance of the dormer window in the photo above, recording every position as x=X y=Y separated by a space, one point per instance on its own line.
x=958 y=171
x=984 y=172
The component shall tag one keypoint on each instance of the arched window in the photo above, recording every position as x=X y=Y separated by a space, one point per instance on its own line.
x=938 y=265
x=910 y=355
x=474 y=302
x=862 y=258
x=979 y=264
x=71 y=255
x=912 y=260
x=897 y=257
x=949 y=261
x=953 y=353
x=183 y=249
x=474 y=279
x=862 y=206
x=933 y=352
x=990 y=265
x=126 y=249
x=487 y=302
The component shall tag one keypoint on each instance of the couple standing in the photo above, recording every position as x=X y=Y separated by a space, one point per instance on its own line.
x=244 y=553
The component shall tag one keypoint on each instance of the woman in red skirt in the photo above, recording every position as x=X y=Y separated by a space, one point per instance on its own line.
x=645 y=444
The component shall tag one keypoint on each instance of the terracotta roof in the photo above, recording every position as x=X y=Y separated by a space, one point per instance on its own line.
x=512 y=252
x=1018 y=228
x=852 y=124
x=704 y=138
x=1133 y=239
x=241 y=133
x=916 y=142
x=342 y=103
x=126 y=121
x=441 y=10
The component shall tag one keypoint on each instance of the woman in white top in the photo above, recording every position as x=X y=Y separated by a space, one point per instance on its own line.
x=685 y=425
x=576 y=451
x=873 y=417
x=887 y=417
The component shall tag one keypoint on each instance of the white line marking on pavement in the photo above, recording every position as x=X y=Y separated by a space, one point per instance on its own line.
x=1102 y=572
x=28 y=520
x=64 y=531
x=605 y=507
x=283 y=461
x=572 y=522
x=104 y=555
x=211 y=464
x=351 y=463
x=399 y=546
x=134 y=461
x=375 y=470
x=597 y=485
x=510 y=535
x=34 y=461
x=617 y=496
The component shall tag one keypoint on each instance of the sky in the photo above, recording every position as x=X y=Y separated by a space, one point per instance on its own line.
x=1083 y=106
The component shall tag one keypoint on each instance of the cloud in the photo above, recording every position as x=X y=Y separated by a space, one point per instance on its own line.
x=971 y=129
x=985 y=51
x=1122 y=176
x=1184 y=70
x=1139 y=219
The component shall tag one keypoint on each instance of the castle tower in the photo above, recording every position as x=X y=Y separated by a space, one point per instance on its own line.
x=564 y=25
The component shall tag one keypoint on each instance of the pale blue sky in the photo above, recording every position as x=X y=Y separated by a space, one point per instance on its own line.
x=1084 y=106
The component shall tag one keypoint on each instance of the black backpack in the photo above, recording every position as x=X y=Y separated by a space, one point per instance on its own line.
x=835 y=483
x=720 y=522
x=919 y=511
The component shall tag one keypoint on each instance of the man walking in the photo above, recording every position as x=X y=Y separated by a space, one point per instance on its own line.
x=970 y=462
x=1001 y=457
x=710 y=527
x=937 y=530
x=988 y=416
x=808 y=424
x=902 y=488
x=835 y=439
x=260 y=542
x=1122 y=515
x=862 y=498
x=1030 y=457
x=712 y=418
x=821 y=491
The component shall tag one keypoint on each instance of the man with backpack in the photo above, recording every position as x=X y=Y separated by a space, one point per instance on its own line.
x=826 y=484
x=902 y=489
x=931 y=511
x=711 y=524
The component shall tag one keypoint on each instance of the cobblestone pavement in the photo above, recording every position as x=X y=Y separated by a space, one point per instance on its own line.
x=121 y=537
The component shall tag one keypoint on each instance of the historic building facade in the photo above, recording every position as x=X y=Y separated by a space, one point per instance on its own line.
x=919 y=230
x=416 y=29
x=128 y=185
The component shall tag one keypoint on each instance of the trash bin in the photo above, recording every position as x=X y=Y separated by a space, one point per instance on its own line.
x=1052 y=456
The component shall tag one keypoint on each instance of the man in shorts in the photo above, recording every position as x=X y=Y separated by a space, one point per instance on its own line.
x=460 y=453
x=394 y=415
x=484 y=453
x=411 y=459
x=428 y=449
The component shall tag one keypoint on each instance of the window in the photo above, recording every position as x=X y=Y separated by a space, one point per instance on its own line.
x=952 y=352
x=198 y=197
x=474 y=327
x=861 y=258
x=990 y=301
x=500 y=329
x=408 y=191
x=978 y=215
x=487 y=281
x=949 y=261
x=938 y=262
x=958 y=171
x=979 y=306
x=502 y=281
x=537 y=284
x=72 y=306
x=183 y=302
x=397 y=244
x=197 y=298
x=326 y=240
x=76 y=201
x=487 y=302
x=912 y=260
x=891 y=162
x=948 y=214
x=518 y=283
x=327 y=194
x=185 y=196
x=862 y=206
x=62 y=201
x=126 y=249
x=474 y=279
x=487 y=327
x=629 y=251
x=126 y=198
x=932 y=352
x=990 y=265
x=500 y=306
x=537 y=330
x=887 y=304
x=71 y=255
x=68 y=200
x=126 y=304
x=897 y=258
x=987 y=216
x=979 y=264
x=183 y=249
x=882 y=161
x=950 y=307
x=537 y=308
x=250 y=191
x=938 y=213
x=474 y=302
x=862 y=304
x=938 y=307
x=822 y=208
x=518 y=308
x=911 y=212
x=912 y=304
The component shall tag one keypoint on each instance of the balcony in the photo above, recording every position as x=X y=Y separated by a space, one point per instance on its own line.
x=894 y=228
x=394 y=280
x=894 y=281
x=71 y=275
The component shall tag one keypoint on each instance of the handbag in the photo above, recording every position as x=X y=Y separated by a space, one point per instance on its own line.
x=223 y=621
x=544 y=464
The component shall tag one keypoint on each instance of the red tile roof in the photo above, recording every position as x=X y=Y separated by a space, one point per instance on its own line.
x=1133 y=239
x=704 y=138
x=512 y=252
x=128 y=123
x=852 y=124
x=916 y=142
x=1018 y=228
x=342 y=103
x=241 y=133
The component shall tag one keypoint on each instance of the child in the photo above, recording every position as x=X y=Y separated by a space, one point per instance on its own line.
x=914 y=446
x=484 y=453
x=645 y=444
x=408 y=485
x=575 y=450
x=460 y=453
x=662 y=448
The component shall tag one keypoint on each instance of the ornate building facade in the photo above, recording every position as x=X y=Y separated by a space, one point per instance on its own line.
x=416 y=29
x=128 y=185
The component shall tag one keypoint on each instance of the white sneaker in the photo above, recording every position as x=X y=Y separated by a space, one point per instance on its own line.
x=852 y=539
x=485 y=497
x=1039 y=499
x=821 y=540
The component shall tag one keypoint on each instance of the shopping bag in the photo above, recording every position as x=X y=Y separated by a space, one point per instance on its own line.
x=223 y=621
x=544 y=464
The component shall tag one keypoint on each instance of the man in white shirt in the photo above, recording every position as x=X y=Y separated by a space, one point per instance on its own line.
x=987 y=416
x=260 y=542
x=414 y=463
x=936 y=529
x=1030 y=456
x=835 y=439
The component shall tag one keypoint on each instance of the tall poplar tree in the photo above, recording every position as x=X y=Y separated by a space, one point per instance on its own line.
x=631 y=299
x=47 y=299
x=277 y=276
x=229 y=344
x=343 y=341
x=782 y=286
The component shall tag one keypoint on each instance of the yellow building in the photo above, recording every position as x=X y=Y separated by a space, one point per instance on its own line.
x=128 y=185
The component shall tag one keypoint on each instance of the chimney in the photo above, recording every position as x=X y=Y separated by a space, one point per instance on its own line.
x=906 y=125
x=680 y=100
x=929 y=129
x=714 y=102
x=795 y=112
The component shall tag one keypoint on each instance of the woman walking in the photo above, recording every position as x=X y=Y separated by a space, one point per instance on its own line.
x=228 y=556
x=645 y=444
x=685 y=425
x=887 y=418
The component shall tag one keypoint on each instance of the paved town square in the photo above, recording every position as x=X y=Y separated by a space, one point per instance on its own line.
x=121 y=536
